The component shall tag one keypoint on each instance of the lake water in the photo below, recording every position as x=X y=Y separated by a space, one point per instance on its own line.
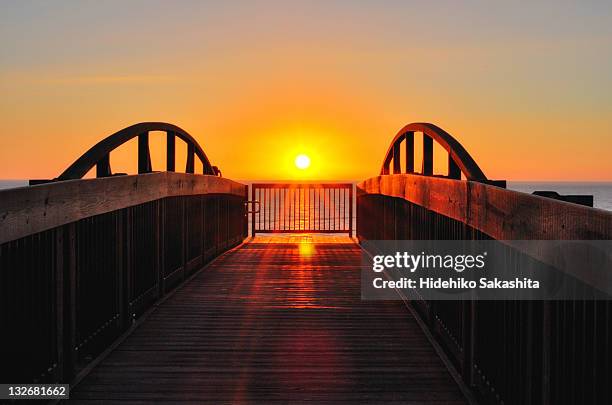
x=601 y=191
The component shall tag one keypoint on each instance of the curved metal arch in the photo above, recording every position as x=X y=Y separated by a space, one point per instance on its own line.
x=100 y=151
x=456 y=151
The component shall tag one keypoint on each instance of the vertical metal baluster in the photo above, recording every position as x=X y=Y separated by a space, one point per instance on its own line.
x=309 y=209
x=343 y=209
x=333 y=208
x=328 y=202
x=350 y=214
x=260 y=199
x=320 y=212
x=318 y=219
x=283 y=207
x=277 y=210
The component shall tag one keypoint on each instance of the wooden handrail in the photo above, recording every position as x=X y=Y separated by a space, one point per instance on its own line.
x=502 y=214
x=29 y=210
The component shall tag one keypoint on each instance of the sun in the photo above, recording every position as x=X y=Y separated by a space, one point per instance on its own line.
x=302 y=162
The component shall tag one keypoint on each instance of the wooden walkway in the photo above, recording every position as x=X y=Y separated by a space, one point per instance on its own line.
x=274 y=323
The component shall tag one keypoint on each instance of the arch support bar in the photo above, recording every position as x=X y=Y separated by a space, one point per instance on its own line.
x=103 y=168
x=144 y=155
x=427 y=156
x=459 y=160
x=99 y=154
x=409 y=140
x=170 y=151
x=190 y=166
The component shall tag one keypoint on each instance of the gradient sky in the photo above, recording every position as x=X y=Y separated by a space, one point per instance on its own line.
x=527 y=88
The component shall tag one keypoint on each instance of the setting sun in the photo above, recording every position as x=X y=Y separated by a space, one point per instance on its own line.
x=302 y=162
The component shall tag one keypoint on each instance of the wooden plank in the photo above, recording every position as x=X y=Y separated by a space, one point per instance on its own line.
x=397 y=167
x=190 y=164
x=409 y=136
x=500 y=213
x=28 y=210
x=427 y=168
x=170 y=151
x=144 y=155
x=275 y=323
x=454 y=172
x=103 y=168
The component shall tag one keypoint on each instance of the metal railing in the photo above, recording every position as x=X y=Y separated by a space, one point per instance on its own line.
x=302 y=208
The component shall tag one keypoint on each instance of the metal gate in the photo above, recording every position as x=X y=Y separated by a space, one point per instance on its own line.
x=301 y=208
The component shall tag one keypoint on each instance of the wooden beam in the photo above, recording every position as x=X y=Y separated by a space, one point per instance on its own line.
x=144 y=156
x=397 y=169
x=409 y=136
x=500 y=213
x=427 y=168
x=103 y=168
x=190 y=166
x=28 y=210
x=170 y=151
x=454 y=172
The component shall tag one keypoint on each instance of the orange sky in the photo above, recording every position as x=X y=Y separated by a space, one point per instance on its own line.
x=529 y=94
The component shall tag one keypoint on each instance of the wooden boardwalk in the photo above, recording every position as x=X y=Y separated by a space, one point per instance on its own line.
x=274 y=323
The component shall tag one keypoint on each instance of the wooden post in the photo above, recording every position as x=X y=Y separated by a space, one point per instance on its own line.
x=350 y=210
x=170 y=151
x=427 y=155
x=204 y=225
x=245 y=228
x=397 y=169
x=454 y=172
x=162 y=247
x=128 y=261
x=546 y=352
x=144 y=156
x=469 y=340
x=253 y=205
x=122 y=293
x=158 y=247
x=190 y=159
x=185 y=236
x=70 y=334
x=59 y=305
x=409 y=136
x=103 y=168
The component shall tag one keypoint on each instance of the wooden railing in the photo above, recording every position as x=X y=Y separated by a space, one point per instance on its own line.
x=81 y=260
x=530 y=352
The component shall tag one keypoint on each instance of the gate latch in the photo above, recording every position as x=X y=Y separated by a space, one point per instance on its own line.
x=251 y=207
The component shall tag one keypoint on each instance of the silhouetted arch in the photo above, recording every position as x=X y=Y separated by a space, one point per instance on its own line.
x=459 y=160
x=99 y=154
